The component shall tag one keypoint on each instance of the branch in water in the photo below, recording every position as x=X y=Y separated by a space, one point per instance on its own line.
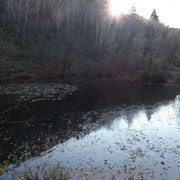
x=14 y=107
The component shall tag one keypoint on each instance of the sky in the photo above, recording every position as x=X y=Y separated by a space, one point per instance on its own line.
x=168 y=10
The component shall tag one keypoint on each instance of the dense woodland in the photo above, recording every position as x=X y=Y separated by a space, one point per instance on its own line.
x=79 y=39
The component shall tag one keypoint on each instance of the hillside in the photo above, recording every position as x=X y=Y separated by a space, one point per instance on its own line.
x=79 y=39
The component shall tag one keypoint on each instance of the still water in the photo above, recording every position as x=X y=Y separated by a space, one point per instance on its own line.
x=114 y=132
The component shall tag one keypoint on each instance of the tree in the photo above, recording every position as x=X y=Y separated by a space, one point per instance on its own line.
x=133 y=11
x=154 y=15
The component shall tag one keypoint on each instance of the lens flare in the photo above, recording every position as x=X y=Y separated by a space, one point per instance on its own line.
x=118 y=7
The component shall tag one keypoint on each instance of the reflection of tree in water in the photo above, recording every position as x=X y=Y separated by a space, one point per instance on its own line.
x=177 y=109
x=129 y=115
x=149 y=111
x=80 y=114
x=148 y=115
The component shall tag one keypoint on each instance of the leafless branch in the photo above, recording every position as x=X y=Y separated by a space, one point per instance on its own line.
x=14 y=107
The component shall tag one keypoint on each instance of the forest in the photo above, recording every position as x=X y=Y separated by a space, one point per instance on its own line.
x=89 y=90
x=80 y=39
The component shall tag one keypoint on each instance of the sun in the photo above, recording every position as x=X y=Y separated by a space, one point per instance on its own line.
x=118 y=7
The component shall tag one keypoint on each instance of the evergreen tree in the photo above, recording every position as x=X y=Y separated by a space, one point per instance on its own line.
x=154 y=15
x=133 y=11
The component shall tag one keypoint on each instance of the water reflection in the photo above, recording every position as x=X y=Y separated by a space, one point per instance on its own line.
x=110 y=127
x=134 y=139
x=177 y=109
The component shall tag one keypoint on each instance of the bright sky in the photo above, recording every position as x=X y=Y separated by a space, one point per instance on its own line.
x=168 y=10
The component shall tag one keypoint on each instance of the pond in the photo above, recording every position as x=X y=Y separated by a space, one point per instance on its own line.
x=106 y=130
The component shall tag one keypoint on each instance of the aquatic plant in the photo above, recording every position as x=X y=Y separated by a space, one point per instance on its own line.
x=43 y=173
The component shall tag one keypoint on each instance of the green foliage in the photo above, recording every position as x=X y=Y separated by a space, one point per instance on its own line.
x=24 y=153
x=43 y=173
x=1 y=171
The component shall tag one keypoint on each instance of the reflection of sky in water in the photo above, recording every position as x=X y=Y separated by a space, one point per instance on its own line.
x=149 y=140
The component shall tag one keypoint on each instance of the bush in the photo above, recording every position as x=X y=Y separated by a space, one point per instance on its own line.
x=154 y=77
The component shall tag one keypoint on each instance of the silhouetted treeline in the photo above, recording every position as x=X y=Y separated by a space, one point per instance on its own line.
x=80 y=38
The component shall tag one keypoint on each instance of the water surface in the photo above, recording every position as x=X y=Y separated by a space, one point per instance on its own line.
x=115 y=131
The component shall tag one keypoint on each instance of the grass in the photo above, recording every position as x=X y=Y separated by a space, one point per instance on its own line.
x=41 y=173
x=44 y=172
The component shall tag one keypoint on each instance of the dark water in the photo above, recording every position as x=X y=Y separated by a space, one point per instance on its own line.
x=108 y=127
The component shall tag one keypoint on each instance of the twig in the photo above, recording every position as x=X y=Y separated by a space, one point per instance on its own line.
x=11 y=122
x=3 y=112
x=17 y=122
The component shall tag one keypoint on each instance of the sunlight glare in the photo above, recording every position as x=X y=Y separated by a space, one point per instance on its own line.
x=118 y=7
